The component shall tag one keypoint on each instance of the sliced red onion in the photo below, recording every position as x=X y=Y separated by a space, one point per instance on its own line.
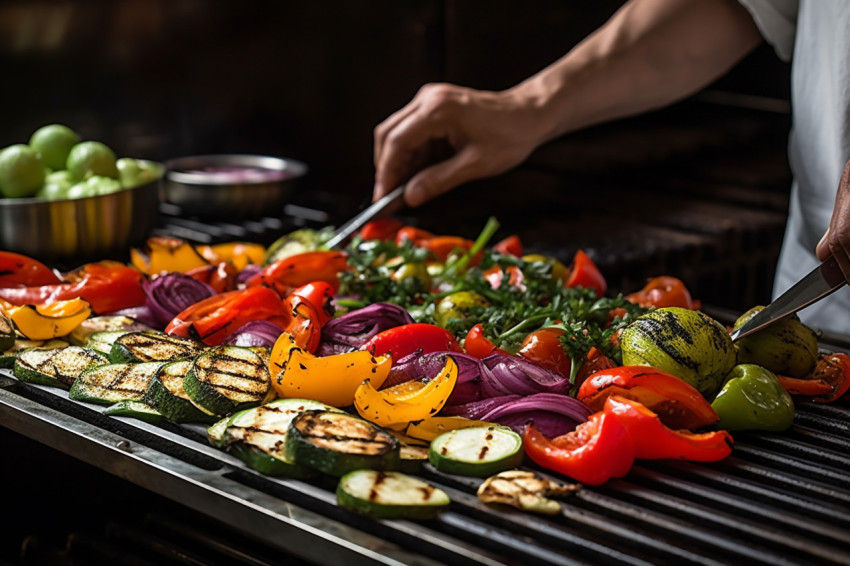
x=143 y=315
x=419 y=367
x=512 y=375
x=477 y=409
x=553 y=414
x=170 y=294
x=350 y=331
x=250 y=270
x=255 y=333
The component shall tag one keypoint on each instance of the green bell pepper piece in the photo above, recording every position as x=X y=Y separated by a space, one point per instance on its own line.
x=753 y=399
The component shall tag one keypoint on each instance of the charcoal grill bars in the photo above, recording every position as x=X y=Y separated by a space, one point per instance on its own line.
x=780 y=499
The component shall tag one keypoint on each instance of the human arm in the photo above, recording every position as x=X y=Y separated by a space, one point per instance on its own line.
x=836 y=240
x=649 y=54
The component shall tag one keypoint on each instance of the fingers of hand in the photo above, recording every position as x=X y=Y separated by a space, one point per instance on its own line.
x=446 y=175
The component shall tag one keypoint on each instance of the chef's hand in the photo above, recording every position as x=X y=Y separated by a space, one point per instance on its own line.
x=486 y=133
x=836 y=240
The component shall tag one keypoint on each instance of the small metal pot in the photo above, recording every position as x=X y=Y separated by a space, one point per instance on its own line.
x=211 y=186
x=77 y=230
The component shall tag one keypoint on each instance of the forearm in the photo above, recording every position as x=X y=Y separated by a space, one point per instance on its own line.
x=649 y=54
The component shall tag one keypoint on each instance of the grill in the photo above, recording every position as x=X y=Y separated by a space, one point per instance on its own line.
x=779 y=499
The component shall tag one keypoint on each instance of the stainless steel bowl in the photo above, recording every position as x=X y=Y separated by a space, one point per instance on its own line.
x=230 y=185
x=82 y=229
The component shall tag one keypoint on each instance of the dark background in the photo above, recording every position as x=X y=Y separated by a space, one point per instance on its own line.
x=159 y=79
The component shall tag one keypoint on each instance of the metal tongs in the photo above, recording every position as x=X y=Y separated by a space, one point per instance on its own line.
x=349 y=228
x=822 y=281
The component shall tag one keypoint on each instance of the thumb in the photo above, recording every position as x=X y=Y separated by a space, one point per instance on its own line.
x=442 y=177
x=822 y=249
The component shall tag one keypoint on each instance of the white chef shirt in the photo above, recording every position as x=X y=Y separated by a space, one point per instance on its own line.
x=815 y=36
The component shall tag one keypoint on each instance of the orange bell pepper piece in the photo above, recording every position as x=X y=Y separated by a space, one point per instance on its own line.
x=161 y=254
x=45 y=322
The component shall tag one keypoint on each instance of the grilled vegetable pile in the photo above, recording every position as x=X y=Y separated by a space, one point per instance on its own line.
x=407 y=351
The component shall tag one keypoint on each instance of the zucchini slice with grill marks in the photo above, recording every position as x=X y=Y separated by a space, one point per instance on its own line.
x=152 y=346
x=102 y=341
x=110 y=322
x=167 y=395
x=136 y=410
x=58 y=366
x=114 y=383
x=477 y=451
x=227 y=378
x=7 y=332
x=8 y=357
x=337 y=443
x=525 y=490
x=390 y=495
x=258 y=436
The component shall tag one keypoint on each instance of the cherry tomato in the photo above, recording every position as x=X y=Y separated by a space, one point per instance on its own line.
x=664 y=291
x=478 y=345
x=384 y=229
x=544 y=348
x=509 y=246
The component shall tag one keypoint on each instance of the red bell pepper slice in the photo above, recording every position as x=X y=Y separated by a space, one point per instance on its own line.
x=653 y=440
x=220 y=276
x=511 y=245
x=596 y=451
x=804 y=387
x=664 y=291
x=678 y=404
x=834 y=369
x=403 y=340
x=300 y=269
x=18 y=270
x=585 y=273
x=478 y=345
x=443 y=246
x=107 y=286
x=217 y=317
x=304 y=323
x=319 y=294
x=384 y=229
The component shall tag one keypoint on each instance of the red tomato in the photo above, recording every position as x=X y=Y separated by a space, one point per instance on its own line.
x=408 y=338
x=415 y=235
x=678 y=404
x=384 y=229
x=509 y=246
x=443 y=246
x=478 y=345
x=18 y=270
x=593 y=453
x=544 y=348
x=494 y=276
x=664 y=291
x=584 y=273
x=653 y=440
x=834 y=369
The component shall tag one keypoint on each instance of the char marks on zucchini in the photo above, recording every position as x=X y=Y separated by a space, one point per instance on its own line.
x=151 y=346
x=227 y=378
x=57 y=366
x=114 y=383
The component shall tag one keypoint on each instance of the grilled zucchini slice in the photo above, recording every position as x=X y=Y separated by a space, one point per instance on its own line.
x=258 y=436
x=477 y=451
x=390 y=495
x=336 y=443
x=136 y=410
x=152 y=346
x=8 y=357
x=105 y=323
x=227 y=378
x=167 y=395
x=102 y=341
x=114 y=383
x=57 y=366
x=525 y=490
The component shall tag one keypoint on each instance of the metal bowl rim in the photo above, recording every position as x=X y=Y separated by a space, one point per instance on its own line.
x=268 y=162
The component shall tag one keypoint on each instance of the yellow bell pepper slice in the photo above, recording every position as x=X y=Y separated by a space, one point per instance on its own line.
x=329 y=379
x=396 y=407
x=166 y=255
x=241 y=254
x=432 y=427
x=45 y=322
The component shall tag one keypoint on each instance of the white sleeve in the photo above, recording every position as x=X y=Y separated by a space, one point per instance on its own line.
x=777 y=22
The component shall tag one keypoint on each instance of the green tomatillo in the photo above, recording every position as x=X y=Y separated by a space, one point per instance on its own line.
x=753 y=399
